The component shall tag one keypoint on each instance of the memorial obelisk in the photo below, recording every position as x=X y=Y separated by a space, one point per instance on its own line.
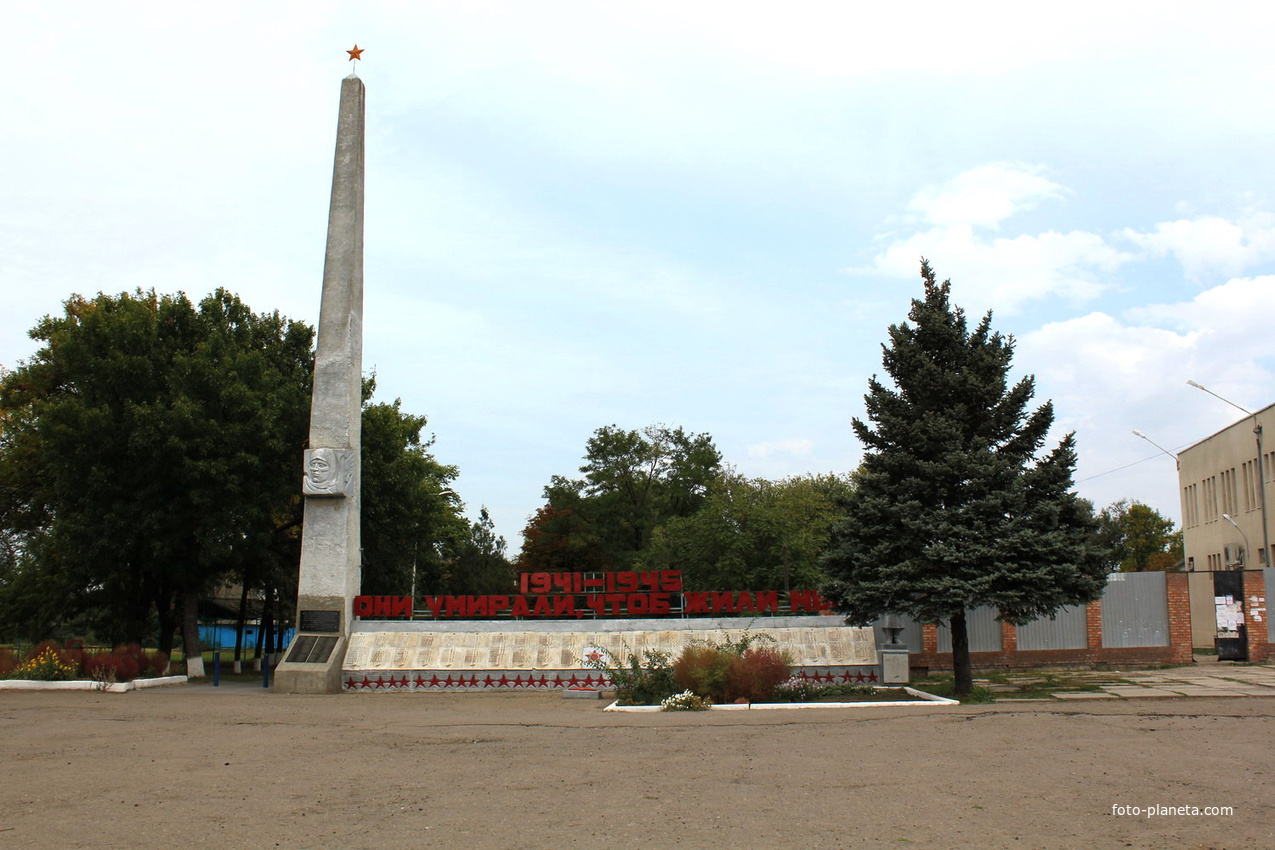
x=331 y=569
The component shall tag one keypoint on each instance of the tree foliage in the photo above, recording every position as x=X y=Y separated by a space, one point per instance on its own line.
x=753 y=534
x=633 y=481
x=152 y=449
x=954 y=506
x=477 y=563
x=410 y=516
x=149 y=450
x=1137 y=537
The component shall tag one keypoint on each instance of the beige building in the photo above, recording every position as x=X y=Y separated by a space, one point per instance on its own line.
x=1224 y=482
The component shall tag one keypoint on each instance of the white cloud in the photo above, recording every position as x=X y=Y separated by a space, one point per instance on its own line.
x=1210 y=246
x=985 y=196
x=1110 y=375
x=999 y=272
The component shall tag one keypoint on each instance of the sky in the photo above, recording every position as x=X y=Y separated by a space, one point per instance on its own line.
x=702 y=214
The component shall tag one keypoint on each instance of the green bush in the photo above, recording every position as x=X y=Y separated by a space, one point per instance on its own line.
x=644 y=680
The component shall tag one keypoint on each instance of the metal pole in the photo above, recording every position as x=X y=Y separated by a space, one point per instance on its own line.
x=1261 y=491
x=216 y=668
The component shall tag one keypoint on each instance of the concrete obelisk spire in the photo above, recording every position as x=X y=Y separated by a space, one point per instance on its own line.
x=331 y=570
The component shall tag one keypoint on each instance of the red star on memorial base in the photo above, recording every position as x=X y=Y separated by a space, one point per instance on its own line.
x=356 y=53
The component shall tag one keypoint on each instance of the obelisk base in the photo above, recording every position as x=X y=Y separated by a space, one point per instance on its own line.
x=312 y=664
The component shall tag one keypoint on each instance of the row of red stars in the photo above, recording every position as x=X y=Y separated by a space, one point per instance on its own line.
x=474 y=682
x=831 y=678
x=398 y=682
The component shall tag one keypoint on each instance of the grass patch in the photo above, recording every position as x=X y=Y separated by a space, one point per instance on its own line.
x=944 y=686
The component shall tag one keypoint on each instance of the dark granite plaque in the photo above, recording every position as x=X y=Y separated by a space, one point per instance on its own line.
x=320 y=621
x=311 y=649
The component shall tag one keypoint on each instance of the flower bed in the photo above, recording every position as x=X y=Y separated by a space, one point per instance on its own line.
x=887 y=699
x=50 y=662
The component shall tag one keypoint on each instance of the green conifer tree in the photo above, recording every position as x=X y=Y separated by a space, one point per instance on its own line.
x=954 y=506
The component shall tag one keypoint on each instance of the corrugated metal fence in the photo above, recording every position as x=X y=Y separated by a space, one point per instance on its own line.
x=1268 y=576
x=1135 y=612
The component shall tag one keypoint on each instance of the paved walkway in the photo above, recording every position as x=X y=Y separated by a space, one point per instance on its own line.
x=1206 y=678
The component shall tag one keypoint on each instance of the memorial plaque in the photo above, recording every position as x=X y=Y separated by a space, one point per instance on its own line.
x=311 y=649
x=320 y=621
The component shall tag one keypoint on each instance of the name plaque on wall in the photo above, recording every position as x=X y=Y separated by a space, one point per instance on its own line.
x=320 y=621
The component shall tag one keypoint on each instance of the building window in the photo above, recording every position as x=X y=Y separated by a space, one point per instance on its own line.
x=1210 y=499
x=1191 y=506
x=1251 y=482
x=1230 y=493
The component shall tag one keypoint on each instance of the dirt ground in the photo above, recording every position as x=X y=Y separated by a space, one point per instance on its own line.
x=239 y=767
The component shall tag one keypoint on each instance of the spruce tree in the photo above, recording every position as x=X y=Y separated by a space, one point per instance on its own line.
x=955 y=506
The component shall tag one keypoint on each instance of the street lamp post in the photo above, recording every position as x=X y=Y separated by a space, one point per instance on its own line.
x=1261 y=471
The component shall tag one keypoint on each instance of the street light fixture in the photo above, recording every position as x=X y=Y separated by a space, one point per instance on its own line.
x=1138 y=433
x=1261 y=472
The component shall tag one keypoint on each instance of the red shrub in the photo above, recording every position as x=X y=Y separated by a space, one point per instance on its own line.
x=130 y=662
x=8 y=661
x=755 y=674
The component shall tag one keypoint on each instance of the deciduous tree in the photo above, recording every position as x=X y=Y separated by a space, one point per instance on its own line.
x=149 y=448
x=753 y=534
x=633 y=481
x=1137 y=537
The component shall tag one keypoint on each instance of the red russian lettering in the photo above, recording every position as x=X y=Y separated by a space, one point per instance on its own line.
x=615 y=603
x=660 y=604
x=496 y=604
x=723 y=600
x=695 y=602
x=626 y=581
x=403 y=607
x=544 y=607
x=651 y=579
x=671 y=581
x=381 y=606
x=597 y=602
x=638 y=603
x=745 y=602
x=594 y=583
x=541 y=583
x=362 y=606
x=565 y=606
x=456 y=606
x=519 y=608
x=562 y=581
x=767 y=601
x=802 y=600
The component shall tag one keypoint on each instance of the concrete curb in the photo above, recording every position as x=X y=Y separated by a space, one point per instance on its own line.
x=89 y=685
x=925 y=699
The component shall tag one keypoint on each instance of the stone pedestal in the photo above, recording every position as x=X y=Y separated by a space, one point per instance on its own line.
x=894 y=666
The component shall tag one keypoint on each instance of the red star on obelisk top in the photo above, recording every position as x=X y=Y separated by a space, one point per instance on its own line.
x=356 y=53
